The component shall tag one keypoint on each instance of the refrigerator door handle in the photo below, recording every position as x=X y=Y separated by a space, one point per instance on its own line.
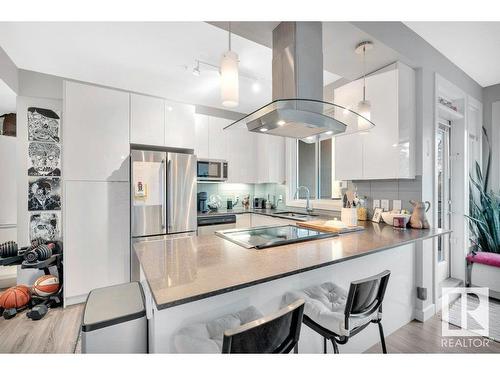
x=169 y=198
x=163 y=178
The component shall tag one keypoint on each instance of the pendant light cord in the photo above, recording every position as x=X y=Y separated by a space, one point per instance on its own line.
x=364 y=73
x=229 y=36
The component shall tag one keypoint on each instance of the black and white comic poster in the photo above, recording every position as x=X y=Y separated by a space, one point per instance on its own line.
x=44 y=159
x=43 y=125
x=45 y=225
x=44 y=194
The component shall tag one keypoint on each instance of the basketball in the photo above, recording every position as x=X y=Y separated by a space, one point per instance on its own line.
x=46 y=285
x=15 y=297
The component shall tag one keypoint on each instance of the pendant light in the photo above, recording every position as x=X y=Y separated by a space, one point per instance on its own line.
x=229 y=84
x=364 y=106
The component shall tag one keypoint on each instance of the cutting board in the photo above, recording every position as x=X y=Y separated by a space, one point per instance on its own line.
x=320 y=225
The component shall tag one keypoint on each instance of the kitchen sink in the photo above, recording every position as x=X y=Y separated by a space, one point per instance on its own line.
x=294 y=215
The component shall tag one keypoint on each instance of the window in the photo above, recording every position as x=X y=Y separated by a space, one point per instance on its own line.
x=314 y=168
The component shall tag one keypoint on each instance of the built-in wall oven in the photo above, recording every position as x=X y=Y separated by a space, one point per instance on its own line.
x=212 y=170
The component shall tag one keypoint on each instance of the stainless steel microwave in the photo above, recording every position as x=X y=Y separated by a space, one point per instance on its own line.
x=212 y=170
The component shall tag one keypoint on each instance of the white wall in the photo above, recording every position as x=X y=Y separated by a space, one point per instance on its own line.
x=8 y=71
x=491 y=120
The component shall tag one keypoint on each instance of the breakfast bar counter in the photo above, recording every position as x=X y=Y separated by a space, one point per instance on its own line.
x=187 y=268
x=190 y=279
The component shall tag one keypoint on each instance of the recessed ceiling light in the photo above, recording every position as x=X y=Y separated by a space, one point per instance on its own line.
x=281 y=122
x=329 y=132
x=170 y=109
x=263 y=129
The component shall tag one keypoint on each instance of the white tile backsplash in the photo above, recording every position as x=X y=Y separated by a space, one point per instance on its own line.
x=231 y=191
x=400 y=190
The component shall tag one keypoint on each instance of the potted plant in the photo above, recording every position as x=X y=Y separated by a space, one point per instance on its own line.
x=484 y=224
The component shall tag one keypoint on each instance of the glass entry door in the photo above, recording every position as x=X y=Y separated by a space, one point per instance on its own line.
x=443 y=199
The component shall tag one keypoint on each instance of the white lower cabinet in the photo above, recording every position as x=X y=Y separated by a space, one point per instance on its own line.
x=96 y=236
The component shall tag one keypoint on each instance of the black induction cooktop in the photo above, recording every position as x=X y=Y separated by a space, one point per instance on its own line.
x=270 y=236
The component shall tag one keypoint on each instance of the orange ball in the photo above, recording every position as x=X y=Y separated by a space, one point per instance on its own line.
x=15 y=297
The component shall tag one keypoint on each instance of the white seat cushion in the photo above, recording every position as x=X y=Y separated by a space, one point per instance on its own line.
x=207 y=337
x=325 y=305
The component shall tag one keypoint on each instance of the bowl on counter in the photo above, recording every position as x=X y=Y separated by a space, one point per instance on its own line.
x=388 y=217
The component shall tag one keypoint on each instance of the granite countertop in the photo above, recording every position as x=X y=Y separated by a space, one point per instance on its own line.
x=185 y=268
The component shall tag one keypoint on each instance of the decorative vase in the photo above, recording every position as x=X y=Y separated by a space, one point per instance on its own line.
x=418 y=219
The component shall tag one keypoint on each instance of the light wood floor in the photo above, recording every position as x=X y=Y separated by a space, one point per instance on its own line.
x=417 y=337
x=57 y=332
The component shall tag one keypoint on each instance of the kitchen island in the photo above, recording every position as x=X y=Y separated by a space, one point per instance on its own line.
x=190 y=279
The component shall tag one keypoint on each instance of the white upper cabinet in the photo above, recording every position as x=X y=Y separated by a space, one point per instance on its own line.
x=387 y=151
x=241 y=155
x=217 y=137
x=180 y=125
x=270 y=159
x=348 y=149
x=96 y=133
x=201 y=136
x=252 y=158
x=147 y=120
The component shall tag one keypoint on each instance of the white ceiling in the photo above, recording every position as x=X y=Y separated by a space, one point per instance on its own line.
x=153 y=58
x=473 y=46
x=7 y=99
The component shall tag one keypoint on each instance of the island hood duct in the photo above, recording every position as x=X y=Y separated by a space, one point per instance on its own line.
x=297 y=110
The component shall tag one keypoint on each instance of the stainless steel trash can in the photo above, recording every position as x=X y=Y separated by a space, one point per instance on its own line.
x=114 y=320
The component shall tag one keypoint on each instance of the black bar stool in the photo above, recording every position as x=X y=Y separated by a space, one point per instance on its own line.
x=337 y=315
x=245 y=332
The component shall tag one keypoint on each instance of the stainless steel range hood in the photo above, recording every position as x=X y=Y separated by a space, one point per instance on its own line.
x=298 y=110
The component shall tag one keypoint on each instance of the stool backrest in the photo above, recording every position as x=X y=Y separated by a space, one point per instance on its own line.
x=275 y=333
x=366 y=296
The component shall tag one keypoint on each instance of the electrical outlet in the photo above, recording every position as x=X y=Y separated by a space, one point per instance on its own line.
x=376 y=203
x=396 y=204
x=384 y=203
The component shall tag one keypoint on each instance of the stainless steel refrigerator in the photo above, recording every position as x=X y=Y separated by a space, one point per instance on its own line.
x=163 y=193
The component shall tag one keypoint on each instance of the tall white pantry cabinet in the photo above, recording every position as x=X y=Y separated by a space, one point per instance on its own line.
x=96 y=188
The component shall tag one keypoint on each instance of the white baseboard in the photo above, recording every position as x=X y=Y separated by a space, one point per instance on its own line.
x=426 y=313
x=75 y=300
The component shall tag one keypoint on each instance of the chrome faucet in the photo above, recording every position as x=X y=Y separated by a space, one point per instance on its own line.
x=309 y=209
